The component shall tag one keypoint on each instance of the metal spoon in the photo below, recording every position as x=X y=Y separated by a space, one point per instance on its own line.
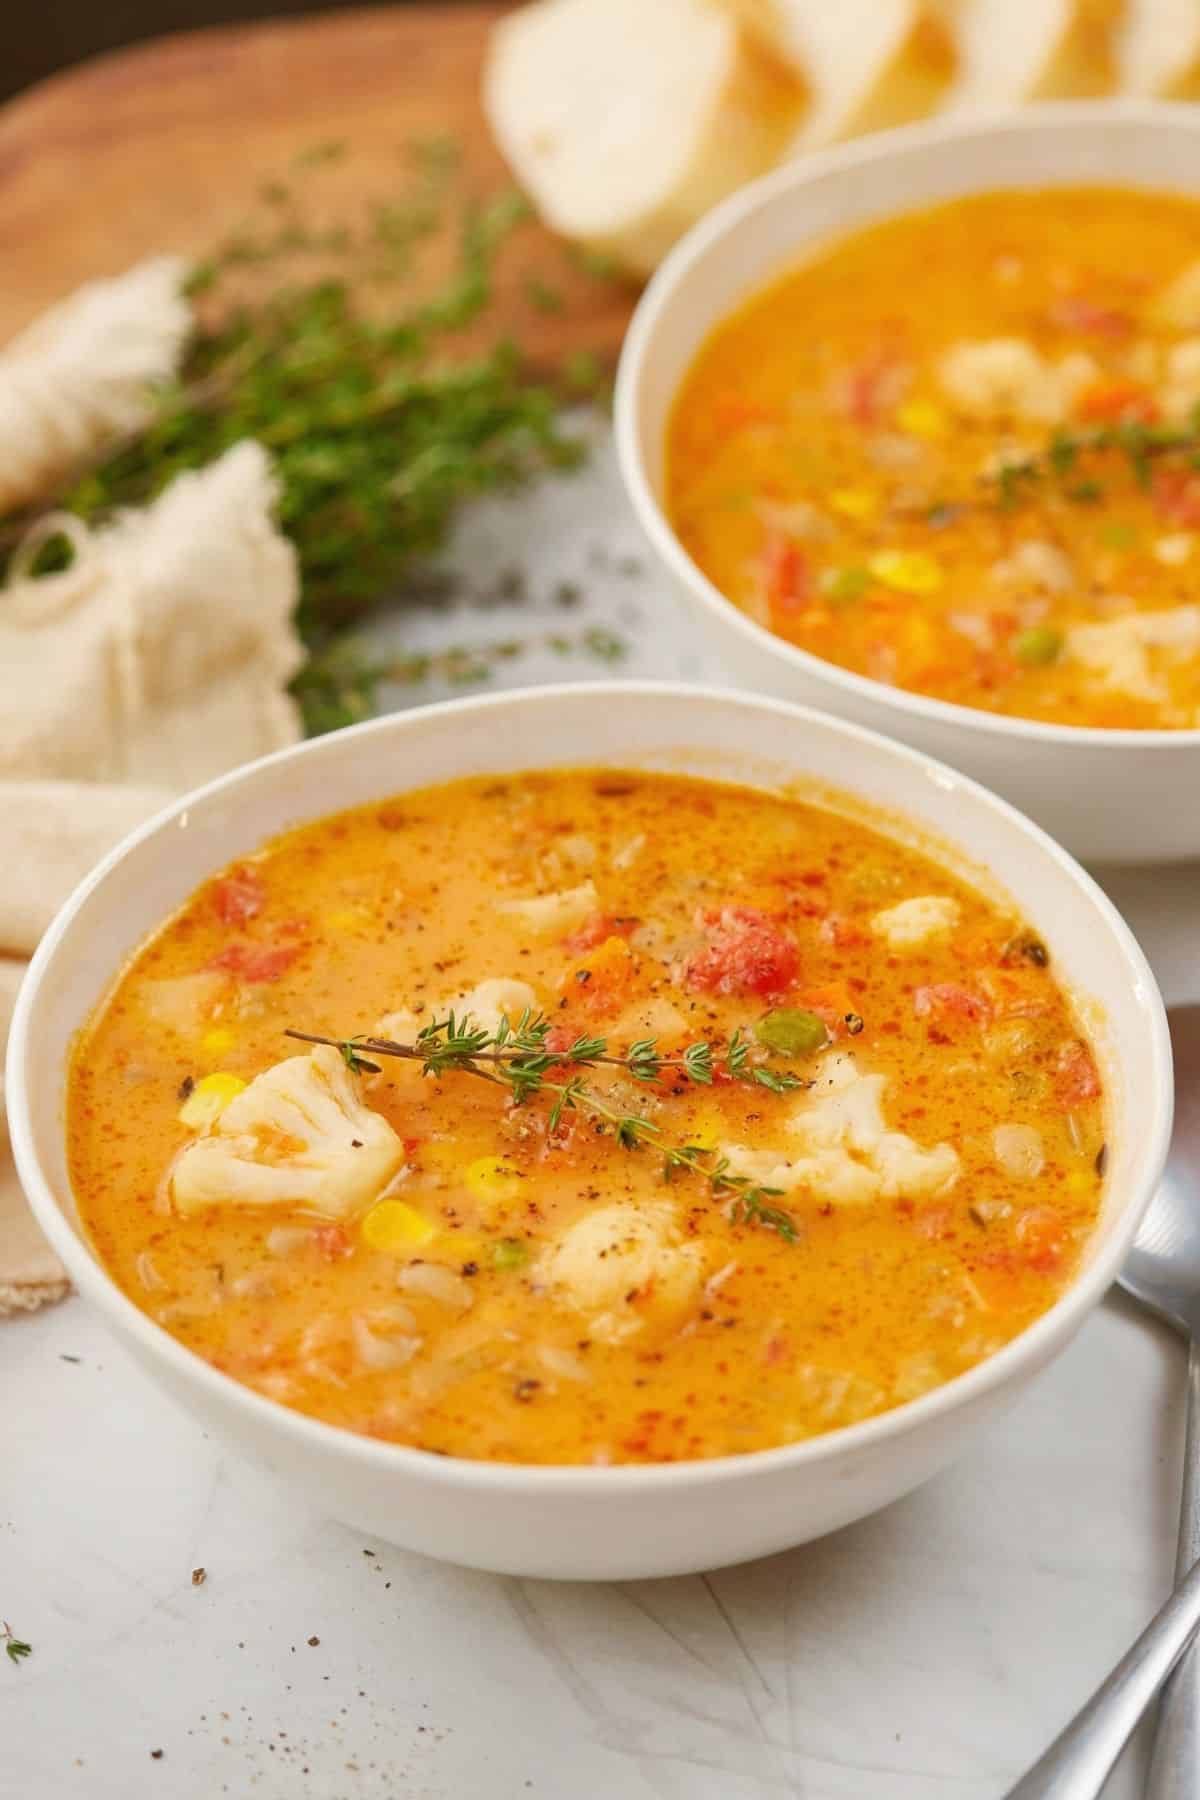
x=1163 y=1273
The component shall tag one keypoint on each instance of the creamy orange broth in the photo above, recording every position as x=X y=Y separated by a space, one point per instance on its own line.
x=466 y=1312
x=834 y=456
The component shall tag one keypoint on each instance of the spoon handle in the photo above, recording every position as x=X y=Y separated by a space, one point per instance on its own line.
x=1077 y=1764
x=1175 y=1761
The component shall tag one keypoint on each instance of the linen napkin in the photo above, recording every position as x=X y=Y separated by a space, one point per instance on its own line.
x=159 y=659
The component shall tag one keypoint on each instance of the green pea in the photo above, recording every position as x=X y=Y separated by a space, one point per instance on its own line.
x=789 y=1031
x=1039 y=645
x=850 y=583
x=509 y=1253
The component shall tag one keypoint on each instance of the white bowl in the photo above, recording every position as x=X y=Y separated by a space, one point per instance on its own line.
x=593 y=1522
x=1111 y=796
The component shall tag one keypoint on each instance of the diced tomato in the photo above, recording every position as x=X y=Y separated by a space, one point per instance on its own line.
x=1118 y=402
x=597 y=928
x=559 y=1039
x=239 y=896
x=867 y=388
x=1076 y=1080
x=946 y=1000
x=746 y=953
x=1074 y=312
x=1176 y=496
x=331 y=1242
x=1042 y=1237
x=786 y=573
x=256 y=962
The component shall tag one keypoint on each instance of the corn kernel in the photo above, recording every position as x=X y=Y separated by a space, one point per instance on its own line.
x=218 y=1039
x=854 y=503
x=208 y=1100
x=922 y=418
x=345 y=918
x=393 y=1225
x=493 y=1180
x=1079 y=1182
x=907 y=571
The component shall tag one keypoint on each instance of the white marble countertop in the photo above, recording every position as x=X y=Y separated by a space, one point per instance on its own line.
x=930 y=1651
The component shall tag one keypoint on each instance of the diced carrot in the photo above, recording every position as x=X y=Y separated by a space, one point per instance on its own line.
x=786 y=573
x=1042 y=1237
x=1118 y=402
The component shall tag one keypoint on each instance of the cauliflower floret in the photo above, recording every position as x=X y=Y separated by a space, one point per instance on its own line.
x=1007 y=378
x=624 y=1266
x=1038 y=564
x=486 y=1004
x=914 y=922
x=298 y=1135
x=1117 y=652
x=1181 y=390
x=549 y=915
x=846 y=1154
x=1177 y=308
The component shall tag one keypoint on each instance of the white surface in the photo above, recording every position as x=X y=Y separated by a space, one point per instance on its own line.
x=1102 y=793
x=930 y=1651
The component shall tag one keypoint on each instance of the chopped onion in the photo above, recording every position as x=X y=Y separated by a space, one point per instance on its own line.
x=148 y=1274
x=435 y=1282
x=628 y=853
x=253 y=1284
x=568 y=1365
x=578 y=849
x=375 y=1352
x=288 y=1240
x=1019 y=1151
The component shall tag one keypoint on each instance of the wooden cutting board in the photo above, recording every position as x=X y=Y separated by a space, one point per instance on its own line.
x=168 y=146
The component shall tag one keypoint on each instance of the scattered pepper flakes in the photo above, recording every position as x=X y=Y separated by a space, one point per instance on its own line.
x=313 y=1642
x=199 y=1577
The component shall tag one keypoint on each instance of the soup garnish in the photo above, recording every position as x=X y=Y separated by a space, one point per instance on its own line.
x=958 y=453
x=635 y=1118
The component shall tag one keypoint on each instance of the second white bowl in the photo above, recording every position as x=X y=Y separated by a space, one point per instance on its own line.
x=1110 y=796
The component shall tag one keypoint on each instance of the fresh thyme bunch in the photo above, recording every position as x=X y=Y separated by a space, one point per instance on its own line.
x=378 y=427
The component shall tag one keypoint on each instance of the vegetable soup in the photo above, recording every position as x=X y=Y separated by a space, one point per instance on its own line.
x=959 y=453
x=658 y=1119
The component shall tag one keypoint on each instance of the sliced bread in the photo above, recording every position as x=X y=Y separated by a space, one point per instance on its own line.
x=626 y=121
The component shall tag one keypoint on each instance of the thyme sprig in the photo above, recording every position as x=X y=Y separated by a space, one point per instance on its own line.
x=1140 y=444
x=517 y=1057
x=15 y=1648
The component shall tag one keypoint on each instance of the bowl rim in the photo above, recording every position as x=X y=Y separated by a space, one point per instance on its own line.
x=321 y=1439
x=857 y=157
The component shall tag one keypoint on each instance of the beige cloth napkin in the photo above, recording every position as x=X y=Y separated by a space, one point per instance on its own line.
x=158 y=660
